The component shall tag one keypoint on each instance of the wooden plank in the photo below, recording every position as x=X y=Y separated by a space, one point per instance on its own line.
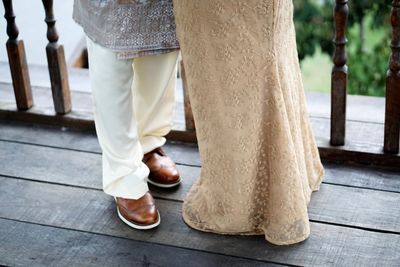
x=364 y=177
x=93 y=211
x=63 y=137
x=49 y=135
x=364 y=140
x=356 y=150
x=181 y=153
x=25 y=244
x=39 y=74
x=55 y=137
x=80 y=117
x=366 y=208
x=318 y=105
x=44 y=100
x=47 y=116
x=12 y=131
x=361 y=137
x=17 y=161
x=364 y=144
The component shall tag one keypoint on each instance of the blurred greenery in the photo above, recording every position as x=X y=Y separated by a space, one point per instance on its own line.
x=368 y=33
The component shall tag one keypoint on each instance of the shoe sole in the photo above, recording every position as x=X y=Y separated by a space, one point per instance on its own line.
x=163 y=185
x=137 y=226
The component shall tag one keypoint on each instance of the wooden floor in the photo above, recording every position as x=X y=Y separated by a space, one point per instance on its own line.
x=54 y=213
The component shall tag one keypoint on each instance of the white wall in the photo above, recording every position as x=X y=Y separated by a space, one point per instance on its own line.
x=30 y=21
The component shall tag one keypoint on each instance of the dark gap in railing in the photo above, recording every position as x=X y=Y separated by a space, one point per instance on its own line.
x=82 y=61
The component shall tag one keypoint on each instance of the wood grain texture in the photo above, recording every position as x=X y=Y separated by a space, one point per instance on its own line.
x=364 y=139
x=25 y=244
x=333 y=203
x=182 y=154
x=364 y=143
x=57 y=64
x=94 y=212
x=392 y=106
x=187 y=154
x=339 y=77
x=86 y=141
x=17 y=61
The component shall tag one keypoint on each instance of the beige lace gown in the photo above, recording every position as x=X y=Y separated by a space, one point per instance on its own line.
x=260 y=162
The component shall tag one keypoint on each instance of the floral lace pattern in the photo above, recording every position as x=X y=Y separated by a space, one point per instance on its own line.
x=132 y=27
x=260 y=162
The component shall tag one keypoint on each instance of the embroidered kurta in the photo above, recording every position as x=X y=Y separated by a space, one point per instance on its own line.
x=132 y=27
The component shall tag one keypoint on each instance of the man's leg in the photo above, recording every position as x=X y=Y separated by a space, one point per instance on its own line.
x=124 y=174
x=154 y=97
x=154 y=101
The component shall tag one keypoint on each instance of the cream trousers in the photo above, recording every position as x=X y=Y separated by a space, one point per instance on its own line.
x=133 y=108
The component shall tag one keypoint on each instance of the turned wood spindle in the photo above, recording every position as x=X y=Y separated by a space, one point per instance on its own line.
x=339 y=75
x=189 y=120
x=392 y=107
x=56 y=63
x=17 y=61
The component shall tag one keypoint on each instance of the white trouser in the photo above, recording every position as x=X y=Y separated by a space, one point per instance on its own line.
x=133 y=108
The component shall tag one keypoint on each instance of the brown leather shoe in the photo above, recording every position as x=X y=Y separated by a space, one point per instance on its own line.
x=138 y=213
x=163 y=171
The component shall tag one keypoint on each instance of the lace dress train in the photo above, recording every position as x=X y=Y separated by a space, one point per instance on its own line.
x=260 y=162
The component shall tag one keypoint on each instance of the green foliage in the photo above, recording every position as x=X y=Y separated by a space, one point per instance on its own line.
x=314 y=27
x=368 y=34
x=368 y=64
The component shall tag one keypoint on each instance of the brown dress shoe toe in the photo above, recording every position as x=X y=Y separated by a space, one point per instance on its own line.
x=163 y=171
x=138 y=213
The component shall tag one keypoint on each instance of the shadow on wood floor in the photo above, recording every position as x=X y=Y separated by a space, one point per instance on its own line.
x=54 y=213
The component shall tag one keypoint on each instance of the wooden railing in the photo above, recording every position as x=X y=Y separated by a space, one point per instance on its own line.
x=339 y=80
x=339 y=76
x=56 y=62
x=17 y=61
x=392 y=112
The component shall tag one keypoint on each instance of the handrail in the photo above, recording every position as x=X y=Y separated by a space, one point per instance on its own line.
x=339 y=79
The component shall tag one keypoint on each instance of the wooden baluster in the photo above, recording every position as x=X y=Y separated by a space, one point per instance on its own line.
x=392 y=112
x=189 y=121
x=57 y=66
x=17 y=61
x=339 y=75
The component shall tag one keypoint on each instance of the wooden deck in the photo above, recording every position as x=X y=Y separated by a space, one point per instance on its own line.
x=364 y=126
x=54 y=213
